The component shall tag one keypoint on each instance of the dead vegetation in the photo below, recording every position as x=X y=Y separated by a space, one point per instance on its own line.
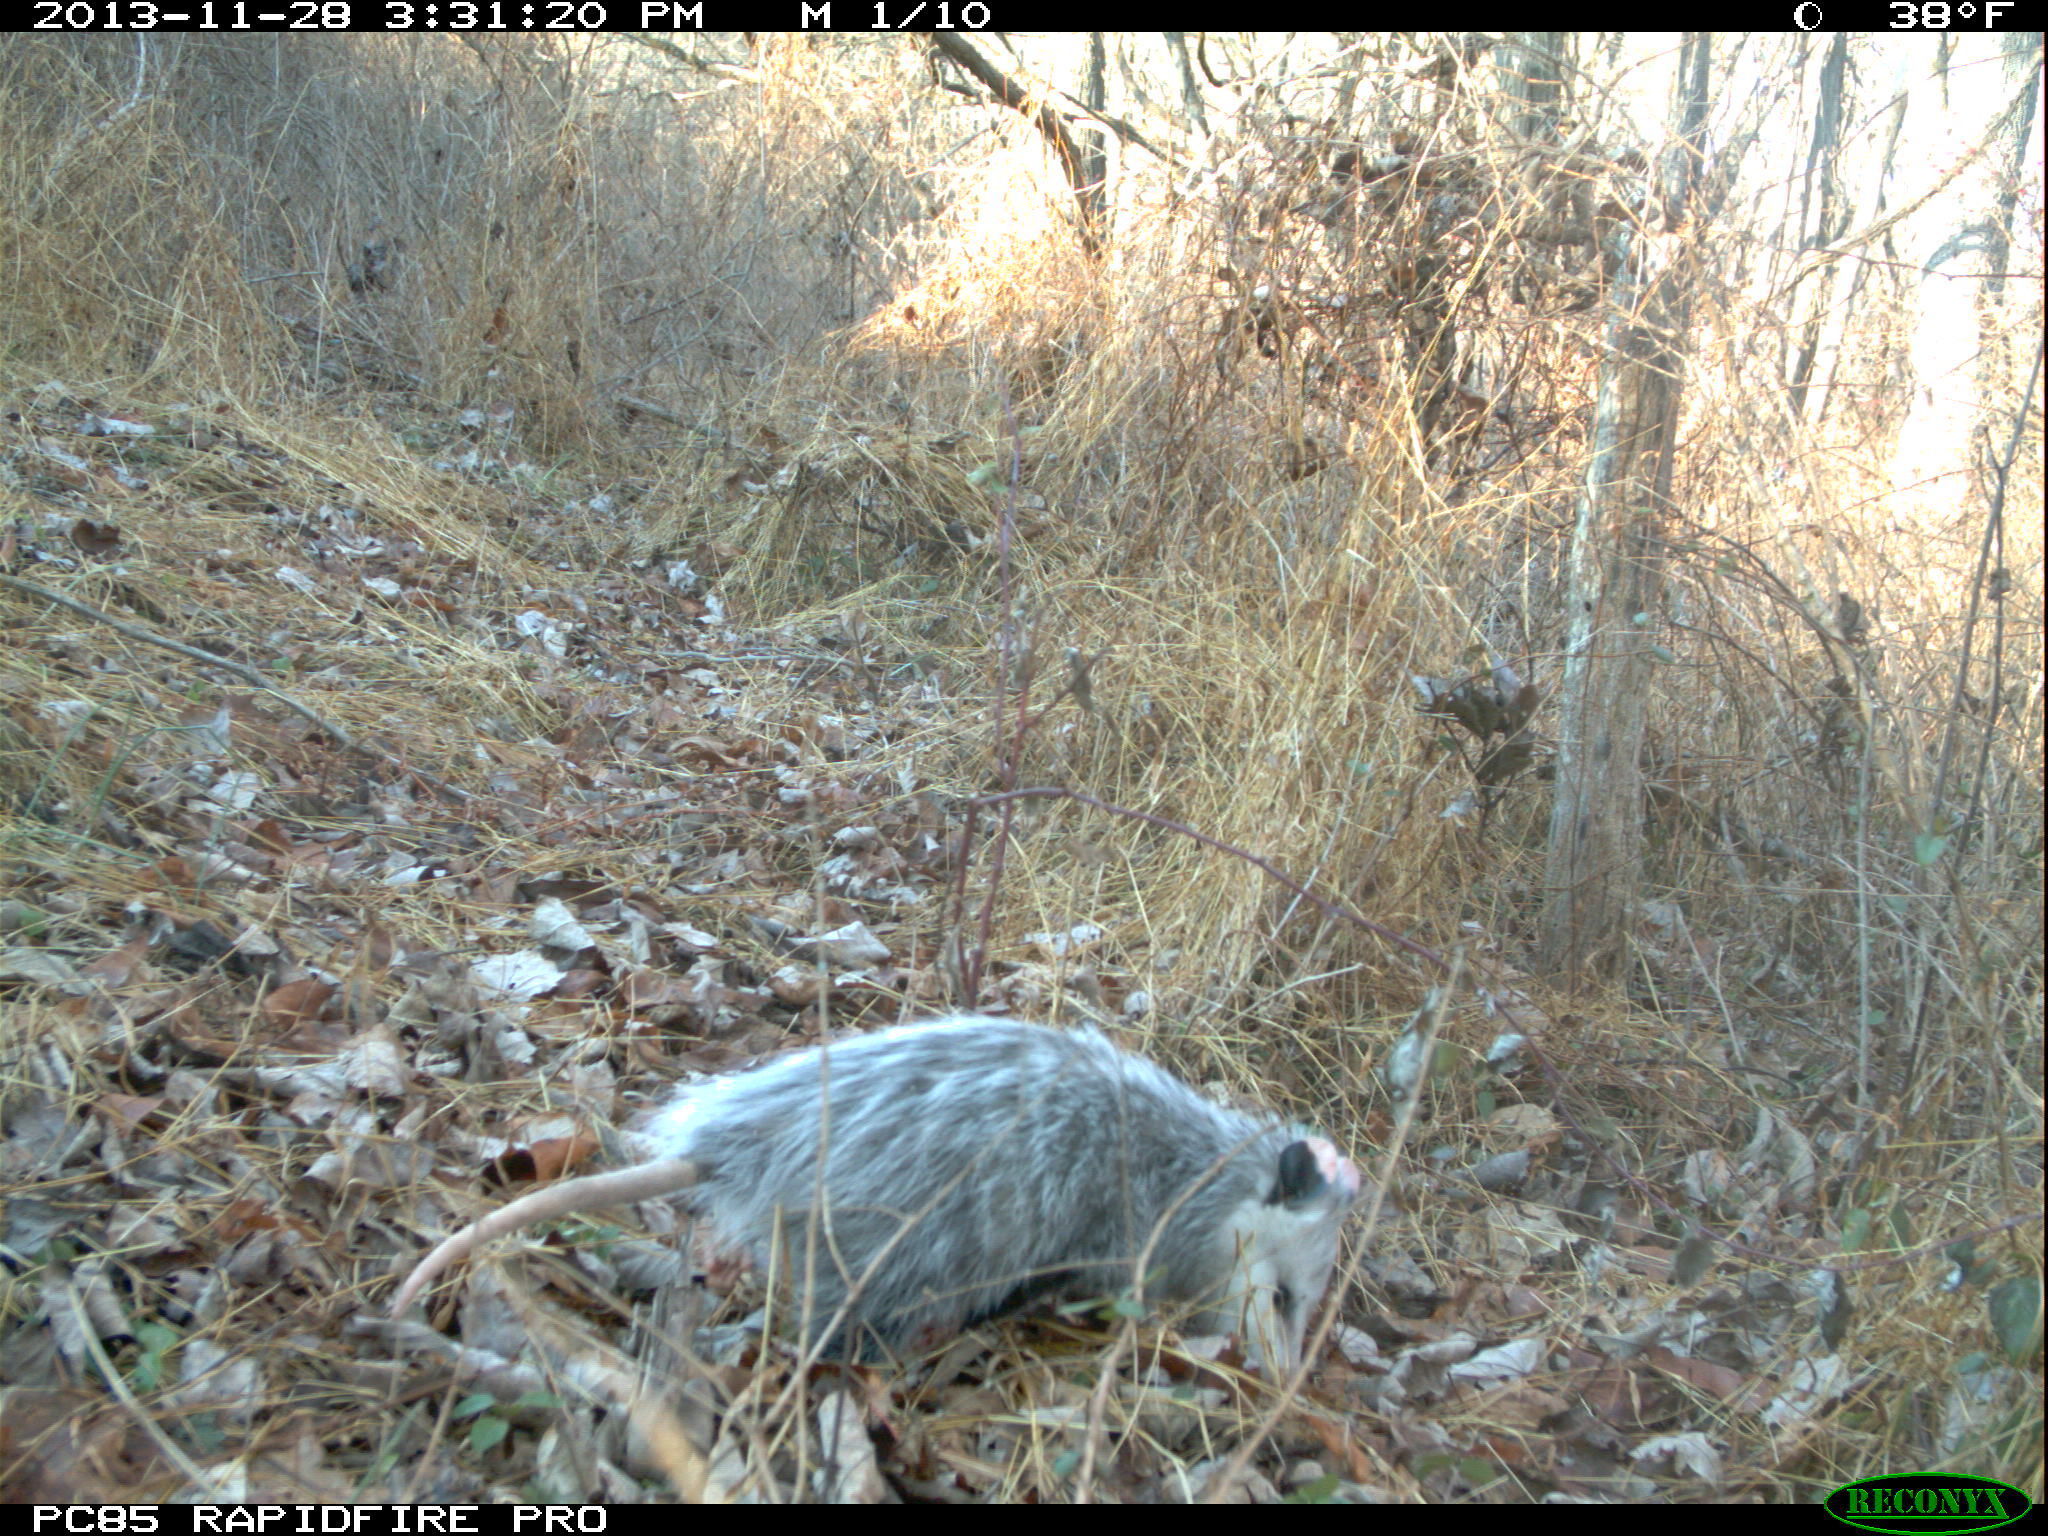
x=535 y=570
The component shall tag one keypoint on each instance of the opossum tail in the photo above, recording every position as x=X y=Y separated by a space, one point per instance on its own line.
x=646 y=1182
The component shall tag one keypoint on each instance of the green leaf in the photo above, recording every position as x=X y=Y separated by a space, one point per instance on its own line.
x=1663 y=653
x=1927 y=848
x=1837 y=1310
x=1856 y=1230
x=154 y=1341
x=487 y=1433
x=1320 y=1491
x=1694 y=1259
x=31 y=922
x=2015 y=1307
x=473 y=1405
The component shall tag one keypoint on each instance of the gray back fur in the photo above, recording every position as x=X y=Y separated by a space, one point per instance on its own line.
x=973 y=1163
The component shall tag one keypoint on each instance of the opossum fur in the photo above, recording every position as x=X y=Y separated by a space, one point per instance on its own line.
x=972 y=1164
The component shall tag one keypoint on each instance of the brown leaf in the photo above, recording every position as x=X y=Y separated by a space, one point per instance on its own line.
x=93 y=538
x=298 y=1002
x=581 y=983
x=1342 y=1448
x=1628 y=1398
x=1716 y=1381
x=703 y=750
x=378 y=948
x=242 y=1217
x=173 y=873
x=116 y=968
x=128 y=1109
x=271 y=838
x=554 y=1156
x=541 y=1161
x=67 y=1445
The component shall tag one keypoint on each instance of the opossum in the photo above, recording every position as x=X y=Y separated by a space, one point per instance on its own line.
x=972 y=1164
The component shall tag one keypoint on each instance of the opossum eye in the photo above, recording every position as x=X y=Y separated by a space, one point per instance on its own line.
x=1283 y=1298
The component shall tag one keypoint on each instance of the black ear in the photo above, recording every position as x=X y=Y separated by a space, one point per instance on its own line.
x=1298 y=1179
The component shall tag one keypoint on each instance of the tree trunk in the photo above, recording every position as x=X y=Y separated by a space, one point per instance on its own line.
x=1615 y=573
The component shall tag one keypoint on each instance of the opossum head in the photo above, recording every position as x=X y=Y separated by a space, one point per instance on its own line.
x=1283 y=1248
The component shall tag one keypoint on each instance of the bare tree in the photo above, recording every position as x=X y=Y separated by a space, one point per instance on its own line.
x=1595 y=859
x=1190 y=87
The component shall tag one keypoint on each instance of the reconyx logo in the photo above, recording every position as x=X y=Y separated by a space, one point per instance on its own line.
x=1927 y=1502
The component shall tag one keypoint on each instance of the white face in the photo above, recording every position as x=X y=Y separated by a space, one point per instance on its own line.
x=1282 y=1264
